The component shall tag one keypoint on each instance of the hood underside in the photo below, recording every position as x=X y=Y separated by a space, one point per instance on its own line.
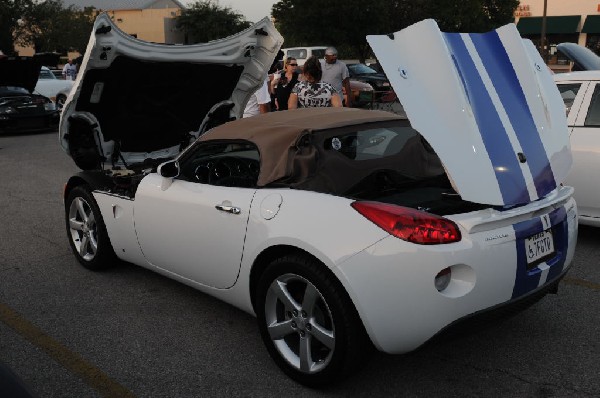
x=135 y=100
x=147 y=106
x=486 y=104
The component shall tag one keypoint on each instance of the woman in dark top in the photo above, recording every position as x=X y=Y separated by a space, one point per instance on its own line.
x=282 y=85
x=312 y=92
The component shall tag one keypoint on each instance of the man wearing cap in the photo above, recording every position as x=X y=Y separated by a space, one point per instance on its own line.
x=336 y=73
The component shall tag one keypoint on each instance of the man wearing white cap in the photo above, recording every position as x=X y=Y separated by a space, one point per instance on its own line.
x=336 y=73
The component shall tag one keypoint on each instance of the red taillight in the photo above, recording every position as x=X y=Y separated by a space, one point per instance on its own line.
x=409 y=224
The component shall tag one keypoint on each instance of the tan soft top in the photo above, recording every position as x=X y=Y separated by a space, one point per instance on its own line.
x=277 y=133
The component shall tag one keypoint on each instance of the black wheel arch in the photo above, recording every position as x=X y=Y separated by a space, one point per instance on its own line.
x=96 y=180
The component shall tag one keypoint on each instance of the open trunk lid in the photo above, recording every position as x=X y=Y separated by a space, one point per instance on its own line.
x=488 y=107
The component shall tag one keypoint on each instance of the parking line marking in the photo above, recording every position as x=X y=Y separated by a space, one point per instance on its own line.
x=581 y=282
x=72 y=361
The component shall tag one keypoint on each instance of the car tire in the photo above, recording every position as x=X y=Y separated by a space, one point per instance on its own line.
x=318 y=338
x=86 y=230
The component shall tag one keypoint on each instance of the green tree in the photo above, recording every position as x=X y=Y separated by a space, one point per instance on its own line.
x=342 y=23
x=11 y=12
x=49 y=26
x=42 y=27
x=346 y=23
x=471 y=15
x=206 y=20
x=80 y=28
x=46 y=25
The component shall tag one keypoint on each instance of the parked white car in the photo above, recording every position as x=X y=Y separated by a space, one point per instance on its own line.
x=56 y=89
x=581 y=94
x=338 y=228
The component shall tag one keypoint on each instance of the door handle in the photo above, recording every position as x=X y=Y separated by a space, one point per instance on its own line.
x=229 y=209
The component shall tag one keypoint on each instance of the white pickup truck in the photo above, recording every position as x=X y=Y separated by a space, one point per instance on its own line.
x=303 y=53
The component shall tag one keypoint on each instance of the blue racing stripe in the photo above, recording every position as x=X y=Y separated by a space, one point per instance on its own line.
x=527 y=281
x=505 y=81
x=511 y=181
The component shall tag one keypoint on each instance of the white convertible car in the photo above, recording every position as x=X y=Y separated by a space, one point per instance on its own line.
x=337 y=228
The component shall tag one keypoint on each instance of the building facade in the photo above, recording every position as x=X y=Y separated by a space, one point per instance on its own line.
x=575 y=21
x=148 y=20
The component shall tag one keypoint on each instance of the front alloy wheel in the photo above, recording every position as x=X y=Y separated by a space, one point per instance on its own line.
x=86 y=230
x=83 y=228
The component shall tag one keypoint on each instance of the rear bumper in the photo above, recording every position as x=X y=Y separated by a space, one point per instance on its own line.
x=501 y=311
x=392 y=283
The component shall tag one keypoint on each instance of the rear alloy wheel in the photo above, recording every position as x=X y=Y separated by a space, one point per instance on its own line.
x=86 y=230
x=308 y=323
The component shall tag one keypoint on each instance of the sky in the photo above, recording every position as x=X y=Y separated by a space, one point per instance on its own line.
x=253 y=10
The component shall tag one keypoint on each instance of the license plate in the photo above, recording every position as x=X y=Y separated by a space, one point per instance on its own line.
x=539 y=246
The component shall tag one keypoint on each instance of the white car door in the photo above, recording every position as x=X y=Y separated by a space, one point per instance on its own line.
x=582 y=100
x=193 y=226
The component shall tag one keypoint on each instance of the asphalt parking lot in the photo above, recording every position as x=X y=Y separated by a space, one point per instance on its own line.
x=69 y=332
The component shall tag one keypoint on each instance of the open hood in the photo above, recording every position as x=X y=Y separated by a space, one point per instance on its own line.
x=583 y=58
x=134 y=100
x=19 y=72
x=486 y=104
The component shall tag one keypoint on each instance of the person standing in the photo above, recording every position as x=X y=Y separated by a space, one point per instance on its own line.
x=336 y=73
x=277 y=67
x=284 y=82
x=312 y=92
x=69 y=71
x=259 y=102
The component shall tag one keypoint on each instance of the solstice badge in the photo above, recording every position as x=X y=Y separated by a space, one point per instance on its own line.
x=336 y=144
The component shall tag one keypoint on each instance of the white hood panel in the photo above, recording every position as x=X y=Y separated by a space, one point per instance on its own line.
x=486 y=104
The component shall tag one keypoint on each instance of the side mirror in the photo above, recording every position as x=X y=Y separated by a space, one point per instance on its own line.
x=169 y=169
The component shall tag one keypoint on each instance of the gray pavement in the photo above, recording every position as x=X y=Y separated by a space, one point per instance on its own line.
x=69 y=332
